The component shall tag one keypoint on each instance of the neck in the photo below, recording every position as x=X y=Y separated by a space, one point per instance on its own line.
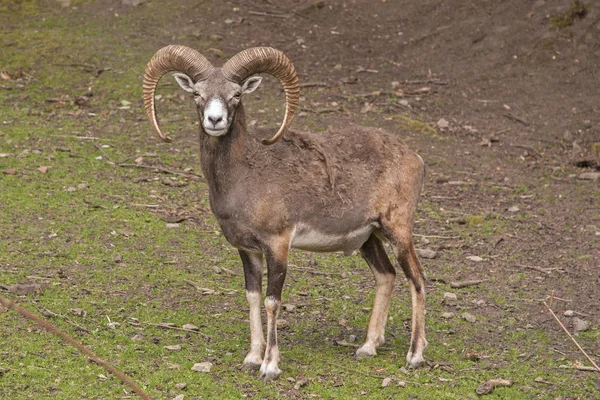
x=219 y=156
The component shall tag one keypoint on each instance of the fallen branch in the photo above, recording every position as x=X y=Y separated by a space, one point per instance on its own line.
x=161 y=169
x=51 y=328
x=264 y=14
x=176 y=328
x=464 y=284
x=571 y=337
x=436 y=236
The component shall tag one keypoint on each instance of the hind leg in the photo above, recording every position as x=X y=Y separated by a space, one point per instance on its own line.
x=401 y=239
x=385 y=274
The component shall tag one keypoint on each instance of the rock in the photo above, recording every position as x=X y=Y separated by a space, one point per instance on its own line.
x=442 y=123
x=589 y=176
x=179 y=397
x=171 y=226
x=190 y=327
x=352 y=338
x=289 y=307
x=427 y=252
x=513 y=209
x=403 y=102
x=386 y=382
x=450 y=299
x=180 y=386
x=448 y=315
x=137 y=337
x=468 y=317
x=475 y=258
x=202 y=367
x=580 y=325
x=569 y=313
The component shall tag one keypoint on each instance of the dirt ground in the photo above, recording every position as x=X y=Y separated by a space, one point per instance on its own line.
x=501 y=99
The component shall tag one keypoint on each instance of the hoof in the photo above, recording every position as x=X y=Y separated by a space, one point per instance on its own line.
x=252 y=362
x=366 y=350
x=414 y=361
x=269 y=372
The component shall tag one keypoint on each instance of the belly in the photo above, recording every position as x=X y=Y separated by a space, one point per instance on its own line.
x=312 y=239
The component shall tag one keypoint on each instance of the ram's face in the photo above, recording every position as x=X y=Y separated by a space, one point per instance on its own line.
x=217 y=99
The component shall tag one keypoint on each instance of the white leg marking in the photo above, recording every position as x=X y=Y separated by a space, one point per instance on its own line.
x=376 y=330
x=269 y=369
x=257 y=339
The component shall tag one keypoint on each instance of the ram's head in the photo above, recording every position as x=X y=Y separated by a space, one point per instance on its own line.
x=218 y=91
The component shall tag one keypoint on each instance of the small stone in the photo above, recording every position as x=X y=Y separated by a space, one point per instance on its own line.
x=468 y=317
x=580 y=325
x=450 y=299
x=81 y=186
x=587 y=124
x=427 y=252
x=43 y=169
x=442 y=123
x=216 y=38
x=179 y=397
x=475 y=258
x=403 y=102
x=448 y=315
x=180 y=386
x=301 y=383
x=202 y=367
x=289 y=307
x=71 y=189
x=171 y=226
x=190 y=327
x=281 y=323
x=216 y=269
x=352 y=338
x=569 y=313
x=513 y=209
x=590 y=176
x=137 y=337
x=403 y=370
x=386 y=382
x=401 y=383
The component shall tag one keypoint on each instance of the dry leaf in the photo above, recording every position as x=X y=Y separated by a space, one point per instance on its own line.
x=43 y=169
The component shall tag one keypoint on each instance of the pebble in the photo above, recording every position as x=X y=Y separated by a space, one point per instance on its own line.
x=171 y=226
x=450 y=299
x=475 y=258
x=569 y=313
x=180 y=386
x=289 y=307
x=448 y=315
x=179 y=397
x=427 y=252
x=386 y=382
x=352 y=338
x=202 y=367
x=468 y=317
x=580 y=325
x=513 y=209
x=403 y=102
x=590 y=176
x=442 y=123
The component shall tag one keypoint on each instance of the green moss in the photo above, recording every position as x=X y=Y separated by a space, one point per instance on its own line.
x=577 y=9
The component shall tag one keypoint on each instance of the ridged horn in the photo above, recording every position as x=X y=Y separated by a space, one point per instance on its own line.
x=266 y=59
x=171 y=58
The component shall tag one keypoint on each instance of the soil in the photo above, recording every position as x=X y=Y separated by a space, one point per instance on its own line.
x=500 y=98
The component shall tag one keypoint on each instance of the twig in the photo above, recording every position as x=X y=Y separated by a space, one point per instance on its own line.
x=161 y=169
x=571 y=337
x=48 y=326
x=579 y=367
x=437 y=236
x=539 y=269
x=264 y=14
x=515 y=118
x=166 y=326
x=464 y=284
x=96 y=145
x=314 y=84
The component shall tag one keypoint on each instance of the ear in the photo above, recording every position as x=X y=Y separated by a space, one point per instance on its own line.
x=184 y=81
x=251 y=84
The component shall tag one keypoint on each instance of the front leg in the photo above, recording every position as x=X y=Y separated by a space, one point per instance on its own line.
x=277 y=257
x=253 y=263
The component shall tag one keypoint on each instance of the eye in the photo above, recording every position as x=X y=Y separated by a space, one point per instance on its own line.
x=197 y=93
x=237 y=95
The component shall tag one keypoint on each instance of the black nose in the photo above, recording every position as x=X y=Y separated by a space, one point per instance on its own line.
x=215 y=120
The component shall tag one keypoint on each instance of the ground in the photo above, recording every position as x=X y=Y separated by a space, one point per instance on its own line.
x=111 y=229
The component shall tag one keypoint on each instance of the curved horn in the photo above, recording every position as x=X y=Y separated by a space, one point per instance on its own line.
x=167 y=59
x=266 y=59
